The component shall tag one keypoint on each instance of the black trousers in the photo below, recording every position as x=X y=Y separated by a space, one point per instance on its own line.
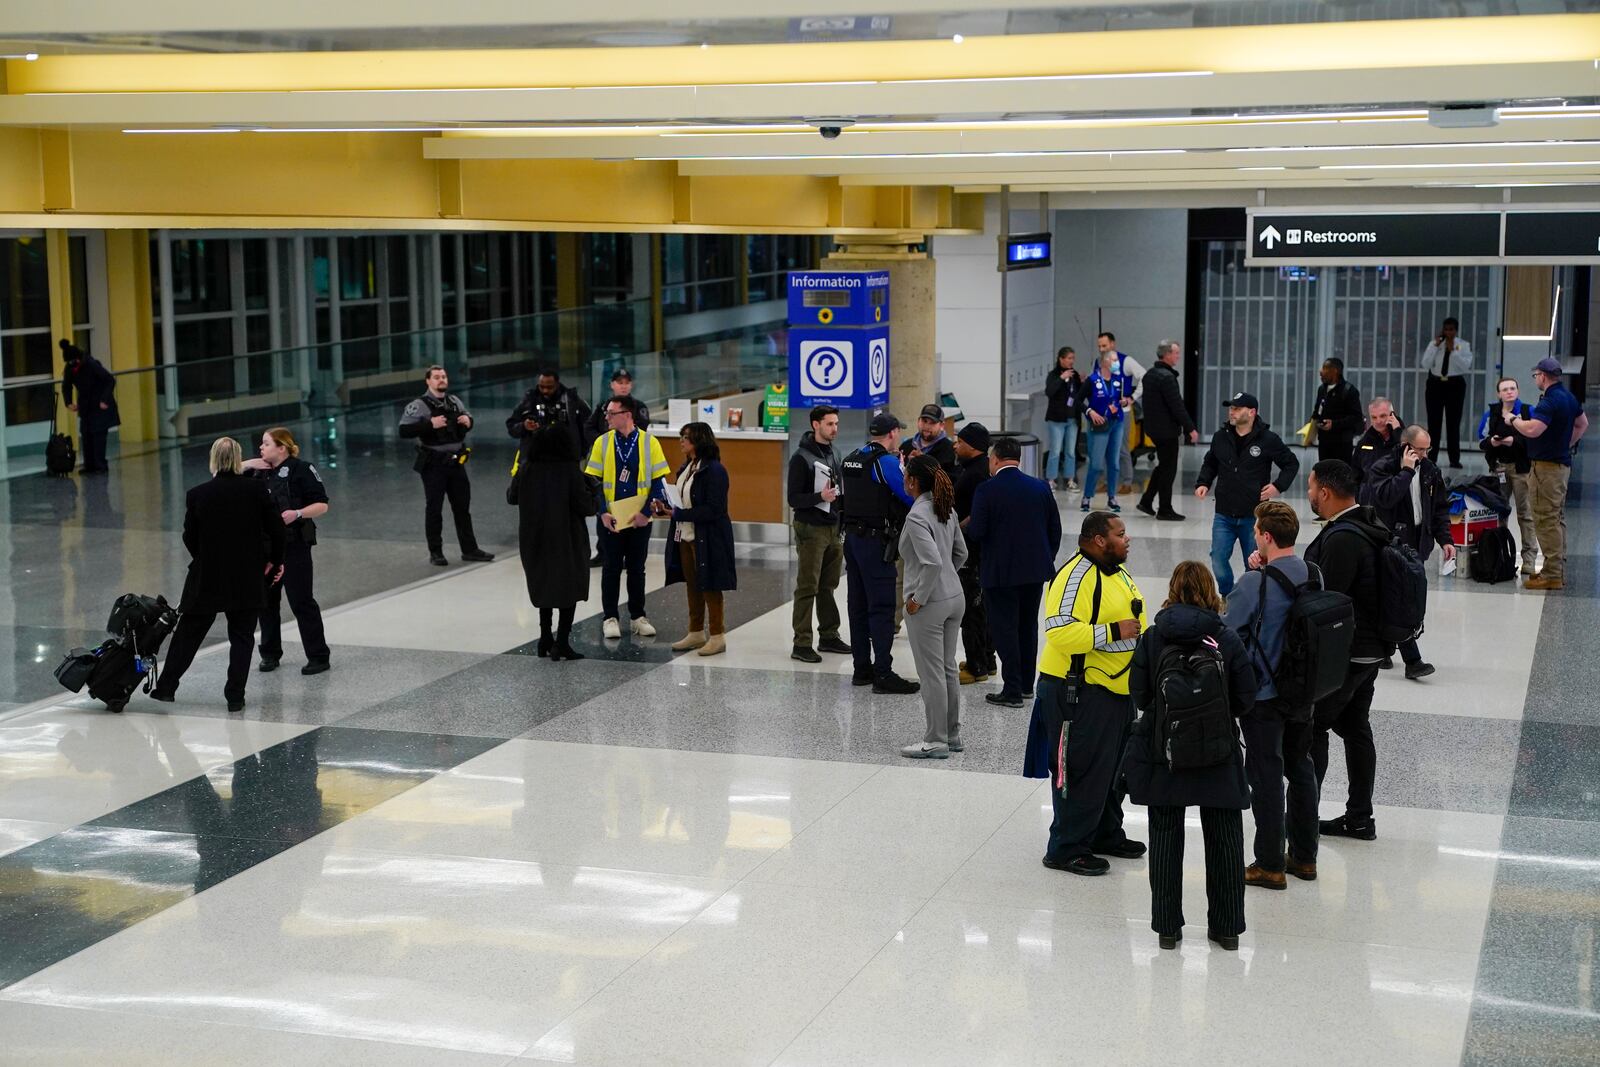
x=297 y=574
x=975 y=639
x=1014 y=626
x=870 y=598
x=625 y=550
x=1348 y=713
x=1223 y=830
x=1275 y=750
x=444 y=477
x=1089 y=817
x=1160 y=486
x=94 y=447
x=1445 y=399
x=191 y=634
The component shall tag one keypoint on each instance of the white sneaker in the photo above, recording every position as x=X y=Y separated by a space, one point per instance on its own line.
x=611 y=629
x=926 y=750
x=642 y=627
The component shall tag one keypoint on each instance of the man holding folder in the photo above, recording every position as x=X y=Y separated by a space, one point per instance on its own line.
x=631 y=468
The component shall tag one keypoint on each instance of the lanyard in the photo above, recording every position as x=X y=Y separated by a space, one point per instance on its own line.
x=625 y=456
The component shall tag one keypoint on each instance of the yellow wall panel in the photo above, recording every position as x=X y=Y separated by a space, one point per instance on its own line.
x=574 y=190
x=132 y=332
x=21 y=172
x=781 y=200
x=55 y=148
x=360 y=175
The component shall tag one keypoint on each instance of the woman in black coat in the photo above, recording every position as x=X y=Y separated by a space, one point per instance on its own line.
x=1192 y=613
x=553 y=499
x=700 y=540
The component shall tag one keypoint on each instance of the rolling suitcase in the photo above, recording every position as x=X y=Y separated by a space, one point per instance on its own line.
x=59 y=455
x=127 y=660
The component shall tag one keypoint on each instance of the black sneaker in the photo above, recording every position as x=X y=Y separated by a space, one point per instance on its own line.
x=1003 y=700
x=805 y=654
x=859 y=678
x=165 y=698
x=894 y=685
x=1418 y=670
x=834 y=645
x=268 y=665
x=1169 y=516
x=1123 y=850
x=437 y=559
x=477 y=555
x=1113 y=506
x=1147 y=509
x=1387 y=664
x=1084 y=865
x=1343 y=827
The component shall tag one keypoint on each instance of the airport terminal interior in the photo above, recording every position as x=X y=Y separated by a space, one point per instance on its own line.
x=451 y=848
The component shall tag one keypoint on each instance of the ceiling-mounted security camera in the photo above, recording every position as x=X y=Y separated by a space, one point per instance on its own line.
x=831 y=126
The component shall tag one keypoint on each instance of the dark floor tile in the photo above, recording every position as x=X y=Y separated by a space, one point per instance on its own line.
x=1546 y=903
x=1557 y=772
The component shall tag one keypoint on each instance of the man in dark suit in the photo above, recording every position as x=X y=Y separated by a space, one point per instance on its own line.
x=96 y=403
x=1015 y=521
x=235 y=537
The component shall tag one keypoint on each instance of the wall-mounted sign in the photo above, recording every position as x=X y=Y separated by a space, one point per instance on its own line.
x=1553 y=235
x=1334 y=237
x=1024 y=251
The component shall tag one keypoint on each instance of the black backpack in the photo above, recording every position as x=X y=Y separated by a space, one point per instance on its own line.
x=1194 y=723
x=1494 y=557
x=1318 y=633
x=1402 y=587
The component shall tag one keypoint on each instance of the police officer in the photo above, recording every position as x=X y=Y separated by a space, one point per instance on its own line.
x=440 y=423
x=875 y=503
x=299 y=498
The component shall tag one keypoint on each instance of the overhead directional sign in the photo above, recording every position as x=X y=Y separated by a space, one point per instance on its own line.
x=1549 y=235
x=1431 y=237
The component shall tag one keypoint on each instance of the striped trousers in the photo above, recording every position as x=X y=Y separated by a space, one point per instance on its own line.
x=1223 y=829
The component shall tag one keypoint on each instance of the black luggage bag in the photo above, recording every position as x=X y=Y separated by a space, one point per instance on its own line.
x=59 y=455
x=126 y=661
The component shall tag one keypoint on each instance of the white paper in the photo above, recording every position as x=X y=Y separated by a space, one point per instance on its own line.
x=1447 y=567
x=679 y=412
x=674 y=498
x=824 y=478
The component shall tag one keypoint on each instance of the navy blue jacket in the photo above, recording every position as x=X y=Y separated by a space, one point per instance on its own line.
x=1016 y=522
x=713 y=532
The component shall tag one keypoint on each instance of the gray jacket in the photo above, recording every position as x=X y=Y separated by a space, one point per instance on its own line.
x=933 y=551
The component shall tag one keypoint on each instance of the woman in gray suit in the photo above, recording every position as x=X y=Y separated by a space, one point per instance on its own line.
x=933 y=550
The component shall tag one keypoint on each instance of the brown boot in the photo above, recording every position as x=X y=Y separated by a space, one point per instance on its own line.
x=714 y=645
x=1258 y=875
x=1539 y=581
x=1306 y=872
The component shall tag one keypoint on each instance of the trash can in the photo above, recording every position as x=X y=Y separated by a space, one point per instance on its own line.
x=1032 y=453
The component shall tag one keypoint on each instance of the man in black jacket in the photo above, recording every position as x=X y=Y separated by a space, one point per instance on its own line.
x=1407 y=489
x=972 y=452
x=813 y=487
x=96 y=404
x=550 y=403
x=1240 y=462
x=439 y=422
x=1381 y=437
x=931 y=440
x=1336 y=412
x=1346 y=551
x=1166 y=422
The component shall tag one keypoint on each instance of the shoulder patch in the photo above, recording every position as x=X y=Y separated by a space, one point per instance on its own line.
x=312 y=467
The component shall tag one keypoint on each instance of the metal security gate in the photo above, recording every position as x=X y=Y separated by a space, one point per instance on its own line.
x=1266 y=330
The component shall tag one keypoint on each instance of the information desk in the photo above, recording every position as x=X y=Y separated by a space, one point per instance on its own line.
x=757 y=463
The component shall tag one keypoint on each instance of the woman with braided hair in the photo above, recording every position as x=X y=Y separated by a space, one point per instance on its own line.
x=933 y=550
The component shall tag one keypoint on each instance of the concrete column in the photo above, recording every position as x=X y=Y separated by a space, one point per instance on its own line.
x=913 y=362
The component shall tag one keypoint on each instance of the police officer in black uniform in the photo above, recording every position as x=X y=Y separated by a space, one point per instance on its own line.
x=299 y=498
x=875 y=503
x=439 y=422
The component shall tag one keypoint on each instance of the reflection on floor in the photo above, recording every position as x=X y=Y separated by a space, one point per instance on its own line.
x=449 y=851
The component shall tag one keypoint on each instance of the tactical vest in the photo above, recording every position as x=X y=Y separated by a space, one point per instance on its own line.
x=453 y=433
x=867 y=501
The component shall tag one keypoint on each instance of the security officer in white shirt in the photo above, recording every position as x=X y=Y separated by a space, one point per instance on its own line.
x=1447 y=362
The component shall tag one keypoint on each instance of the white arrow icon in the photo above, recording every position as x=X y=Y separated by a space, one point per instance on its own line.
x=1270 y=236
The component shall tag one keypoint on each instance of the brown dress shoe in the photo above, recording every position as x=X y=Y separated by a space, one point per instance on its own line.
x=1306 y=872
x=1260 y=876
x=1539 y=581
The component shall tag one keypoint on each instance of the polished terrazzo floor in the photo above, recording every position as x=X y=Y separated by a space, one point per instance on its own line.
x=448 y=851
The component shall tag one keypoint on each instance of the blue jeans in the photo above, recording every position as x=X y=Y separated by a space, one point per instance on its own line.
x=1105 y=443
x=1061 y=450
x=1225 y=530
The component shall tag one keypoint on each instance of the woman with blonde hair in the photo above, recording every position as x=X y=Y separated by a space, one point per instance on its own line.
x=299 y=498
x=236 y=538
x=1191 y=680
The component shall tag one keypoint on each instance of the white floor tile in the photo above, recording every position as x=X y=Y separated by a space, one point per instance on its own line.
x=484 y=608
x=470 y=954
x=735 y=985
x=972 y=984
x=904 y=831
x=69 y=765
x=1426 y=881
x=692 y=813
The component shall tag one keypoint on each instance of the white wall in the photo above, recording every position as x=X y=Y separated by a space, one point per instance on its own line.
x=967 y=318
x=1124 y=271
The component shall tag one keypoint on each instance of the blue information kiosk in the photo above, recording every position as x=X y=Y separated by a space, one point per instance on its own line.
x=839 y=339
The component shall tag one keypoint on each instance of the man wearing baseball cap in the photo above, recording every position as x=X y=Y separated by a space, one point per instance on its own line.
x=1552 y=431
x=931 y=440
x=875 y=504
x=1240 y=464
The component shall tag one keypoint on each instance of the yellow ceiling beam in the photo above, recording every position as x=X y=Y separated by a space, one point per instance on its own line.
x=1305 y=47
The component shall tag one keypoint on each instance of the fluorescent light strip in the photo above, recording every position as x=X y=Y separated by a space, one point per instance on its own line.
x=1049 y=77
x=918 y=155
x=1445 y=166
x=299 y=129
x=1443 y=144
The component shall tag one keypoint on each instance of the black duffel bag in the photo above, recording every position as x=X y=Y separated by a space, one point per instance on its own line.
x=75 y=669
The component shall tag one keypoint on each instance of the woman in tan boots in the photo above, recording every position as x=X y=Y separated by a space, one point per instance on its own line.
x=700 y=540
